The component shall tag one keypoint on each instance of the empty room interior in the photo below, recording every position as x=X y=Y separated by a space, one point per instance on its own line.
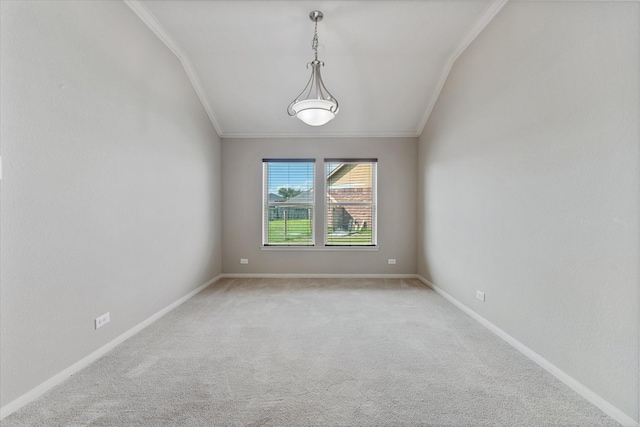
x=440 y=228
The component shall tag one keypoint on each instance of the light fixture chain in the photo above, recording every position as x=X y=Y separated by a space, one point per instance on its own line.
x=314 y=42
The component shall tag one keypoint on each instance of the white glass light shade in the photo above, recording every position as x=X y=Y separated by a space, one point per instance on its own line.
x=314 y=112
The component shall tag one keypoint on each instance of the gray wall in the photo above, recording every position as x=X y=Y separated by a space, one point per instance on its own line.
x=242 y=206
x=528 y=183
x=111 y=183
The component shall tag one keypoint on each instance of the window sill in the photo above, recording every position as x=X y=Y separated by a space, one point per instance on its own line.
x=322 y=248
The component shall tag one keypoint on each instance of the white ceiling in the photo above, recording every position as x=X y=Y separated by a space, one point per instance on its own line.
x=386 y=61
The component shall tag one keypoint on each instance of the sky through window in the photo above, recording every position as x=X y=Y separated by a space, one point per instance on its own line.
x=298 y=176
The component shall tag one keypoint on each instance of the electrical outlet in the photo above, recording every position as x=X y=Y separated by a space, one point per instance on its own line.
x=391 y=261
x=102 y=320
x=480 y=295
x=244 y=261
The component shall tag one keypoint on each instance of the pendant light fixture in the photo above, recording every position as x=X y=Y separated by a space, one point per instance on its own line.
x=315 y=105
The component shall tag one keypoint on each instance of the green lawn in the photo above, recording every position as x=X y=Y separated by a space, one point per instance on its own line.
x=299 y=232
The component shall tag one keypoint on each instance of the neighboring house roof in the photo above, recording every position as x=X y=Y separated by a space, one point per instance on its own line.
x=342 y=169
x=304 y=197
x=350 y=175
x=275 y=198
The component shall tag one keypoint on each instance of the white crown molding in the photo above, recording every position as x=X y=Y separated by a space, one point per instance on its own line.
x=574 y=384
x=489 y=13
x=147 y=17
x=268 y=135
x=315 y=276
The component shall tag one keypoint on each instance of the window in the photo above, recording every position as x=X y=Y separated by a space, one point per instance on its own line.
x=350 y=195
x=288 y=202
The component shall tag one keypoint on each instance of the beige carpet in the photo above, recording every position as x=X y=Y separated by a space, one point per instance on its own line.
x=313 y=352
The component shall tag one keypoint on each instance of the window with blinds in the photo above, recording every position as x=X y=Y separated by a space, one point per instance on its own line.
x=350 y=197
x=288 y=202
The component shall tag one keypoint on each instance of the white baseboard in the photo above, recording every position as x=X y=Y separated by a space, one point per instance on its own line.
x=585 y=392
x=316 y=276
x=38 y=391
x=579 y=388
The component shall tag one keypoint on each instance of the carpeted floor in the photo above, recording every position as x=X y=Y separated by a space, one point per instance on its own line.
x=313 y=352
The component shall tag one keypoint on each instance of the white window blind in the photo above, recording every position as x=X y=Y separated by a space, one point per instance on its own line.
x=351 y=202
x=288 y=202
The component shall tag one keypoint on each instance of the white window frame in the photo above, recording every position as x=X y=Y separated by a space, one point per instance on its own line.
x=266 y=203
x=373 y=203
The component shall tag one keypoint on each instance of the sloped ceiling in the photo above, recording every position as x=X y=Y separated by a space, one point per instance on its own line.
x=386 y=61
